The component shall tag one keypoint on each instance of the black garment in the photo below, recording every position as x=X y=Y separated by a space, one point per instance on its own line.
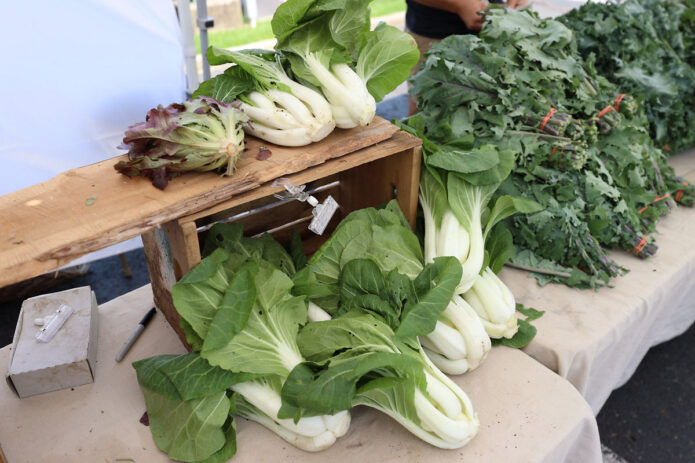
x=433 y=22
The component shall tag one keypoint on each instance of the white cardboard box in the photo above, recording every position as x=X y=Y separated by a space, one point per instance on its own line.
x=69 y=359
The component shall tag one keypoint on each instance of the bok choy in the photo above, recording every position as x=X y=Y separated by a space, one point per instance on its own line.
x=240 y=317
x=330 y=47
x=456 y=189
x=458 y=340
x=369 y=354
x=280 y=110
x=250 y=327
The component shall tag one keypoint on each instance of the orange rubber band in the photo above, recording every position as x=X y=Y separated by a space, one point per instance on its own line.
x=679 y=195
x=553 y=151
x=656 y=200
x=547 y=118
x=640 y=246
x=604 y=111
x=617 y=101
x=661 y=198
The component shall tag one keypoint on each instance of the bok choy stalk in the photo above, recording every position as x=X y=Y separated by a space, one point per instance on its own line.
x=330 y=46
x=369 y=354
x=244 y=314
x=458 y=341
x=489 y=296
x=202 y=134
x=446 y=235
x=494 y=303
x=241 y=320
x=280 y=110
x=456 y=188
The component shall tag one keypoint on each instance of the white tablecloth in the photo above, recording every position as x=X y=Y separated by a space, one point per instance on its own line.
x=528 y=414
x=596 y=340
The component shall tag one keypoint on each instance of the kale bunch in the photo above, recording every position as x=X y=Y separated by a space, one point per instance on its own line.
x=647 y=47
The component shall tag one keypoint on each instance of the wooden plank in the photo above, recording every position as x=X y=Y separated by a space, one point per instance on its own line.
x=392 y=177
x=183 y=246
x=408 y=182
x=79 y=211
x=399 y=142
x=161 y=268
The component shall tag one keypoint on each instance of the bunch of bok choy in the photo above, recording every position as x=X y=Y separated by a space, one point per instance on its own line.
x=456 y=189
x=242 y=321
x=368 y=353
x=458 y=342
x=279 y=109
x=330 y=47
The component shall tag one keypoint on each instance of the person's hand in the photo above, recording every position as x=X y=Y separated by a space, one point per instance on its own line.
x=516 y=3
x=468 y=12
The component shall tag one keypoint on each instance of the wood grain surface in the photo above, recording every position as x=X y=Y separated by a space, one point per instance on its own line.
x=82 y=210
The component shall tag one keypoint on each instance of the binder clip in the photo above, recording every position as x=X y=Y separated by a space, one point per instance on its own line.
x=322 y=212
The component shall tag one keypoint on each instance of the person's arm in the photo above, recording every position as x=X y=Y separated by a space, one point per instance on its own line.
x=516 y=3
x=467 y=10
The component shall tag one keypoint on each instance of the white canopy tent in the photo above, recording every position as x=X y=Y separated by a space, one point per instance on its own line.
x=75 y=74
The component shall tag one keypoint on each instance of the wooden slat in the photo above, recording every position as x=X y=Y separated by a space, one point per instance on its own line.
x=400 y=141
x=161 y=267
x=47 y=225
x=395 y=176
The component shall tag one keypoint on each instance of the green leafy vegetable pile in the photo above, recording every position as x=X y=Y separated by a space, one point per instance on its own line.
x=460 y=338
x=245 y=313
x=198 y=135
x=242 y=320
x=369 y=354
x=328 y=70
x=647 y=47
x=264 y=349
x=577 y=145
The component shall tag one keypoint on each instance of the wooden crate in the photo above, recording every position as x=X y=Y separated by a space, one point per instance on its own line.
x=82 y=210
x=367 y=177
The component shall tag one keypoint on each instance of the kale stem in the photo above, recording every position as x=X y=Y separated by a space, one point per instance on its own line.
x=528 y=268
x=466 y=87
x=544 y=135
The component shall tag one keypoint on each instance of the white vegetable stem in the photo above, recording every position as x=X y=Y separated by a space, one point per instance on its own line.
x=467 y=322
x=466 y=333
x=284 y=137
x=317 y=314
x=494 y=303
x=350 y=100
x=447 y=412
x=430 y=251
x=275 y=118
x=333 y=426
x=266 y=399
x=453 y=239
x=446 y=341
x=288 y=119
x=473 y=261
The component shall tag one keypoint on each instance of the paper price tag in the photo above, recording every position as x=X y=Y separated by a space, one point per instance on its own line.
x=323 y=213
